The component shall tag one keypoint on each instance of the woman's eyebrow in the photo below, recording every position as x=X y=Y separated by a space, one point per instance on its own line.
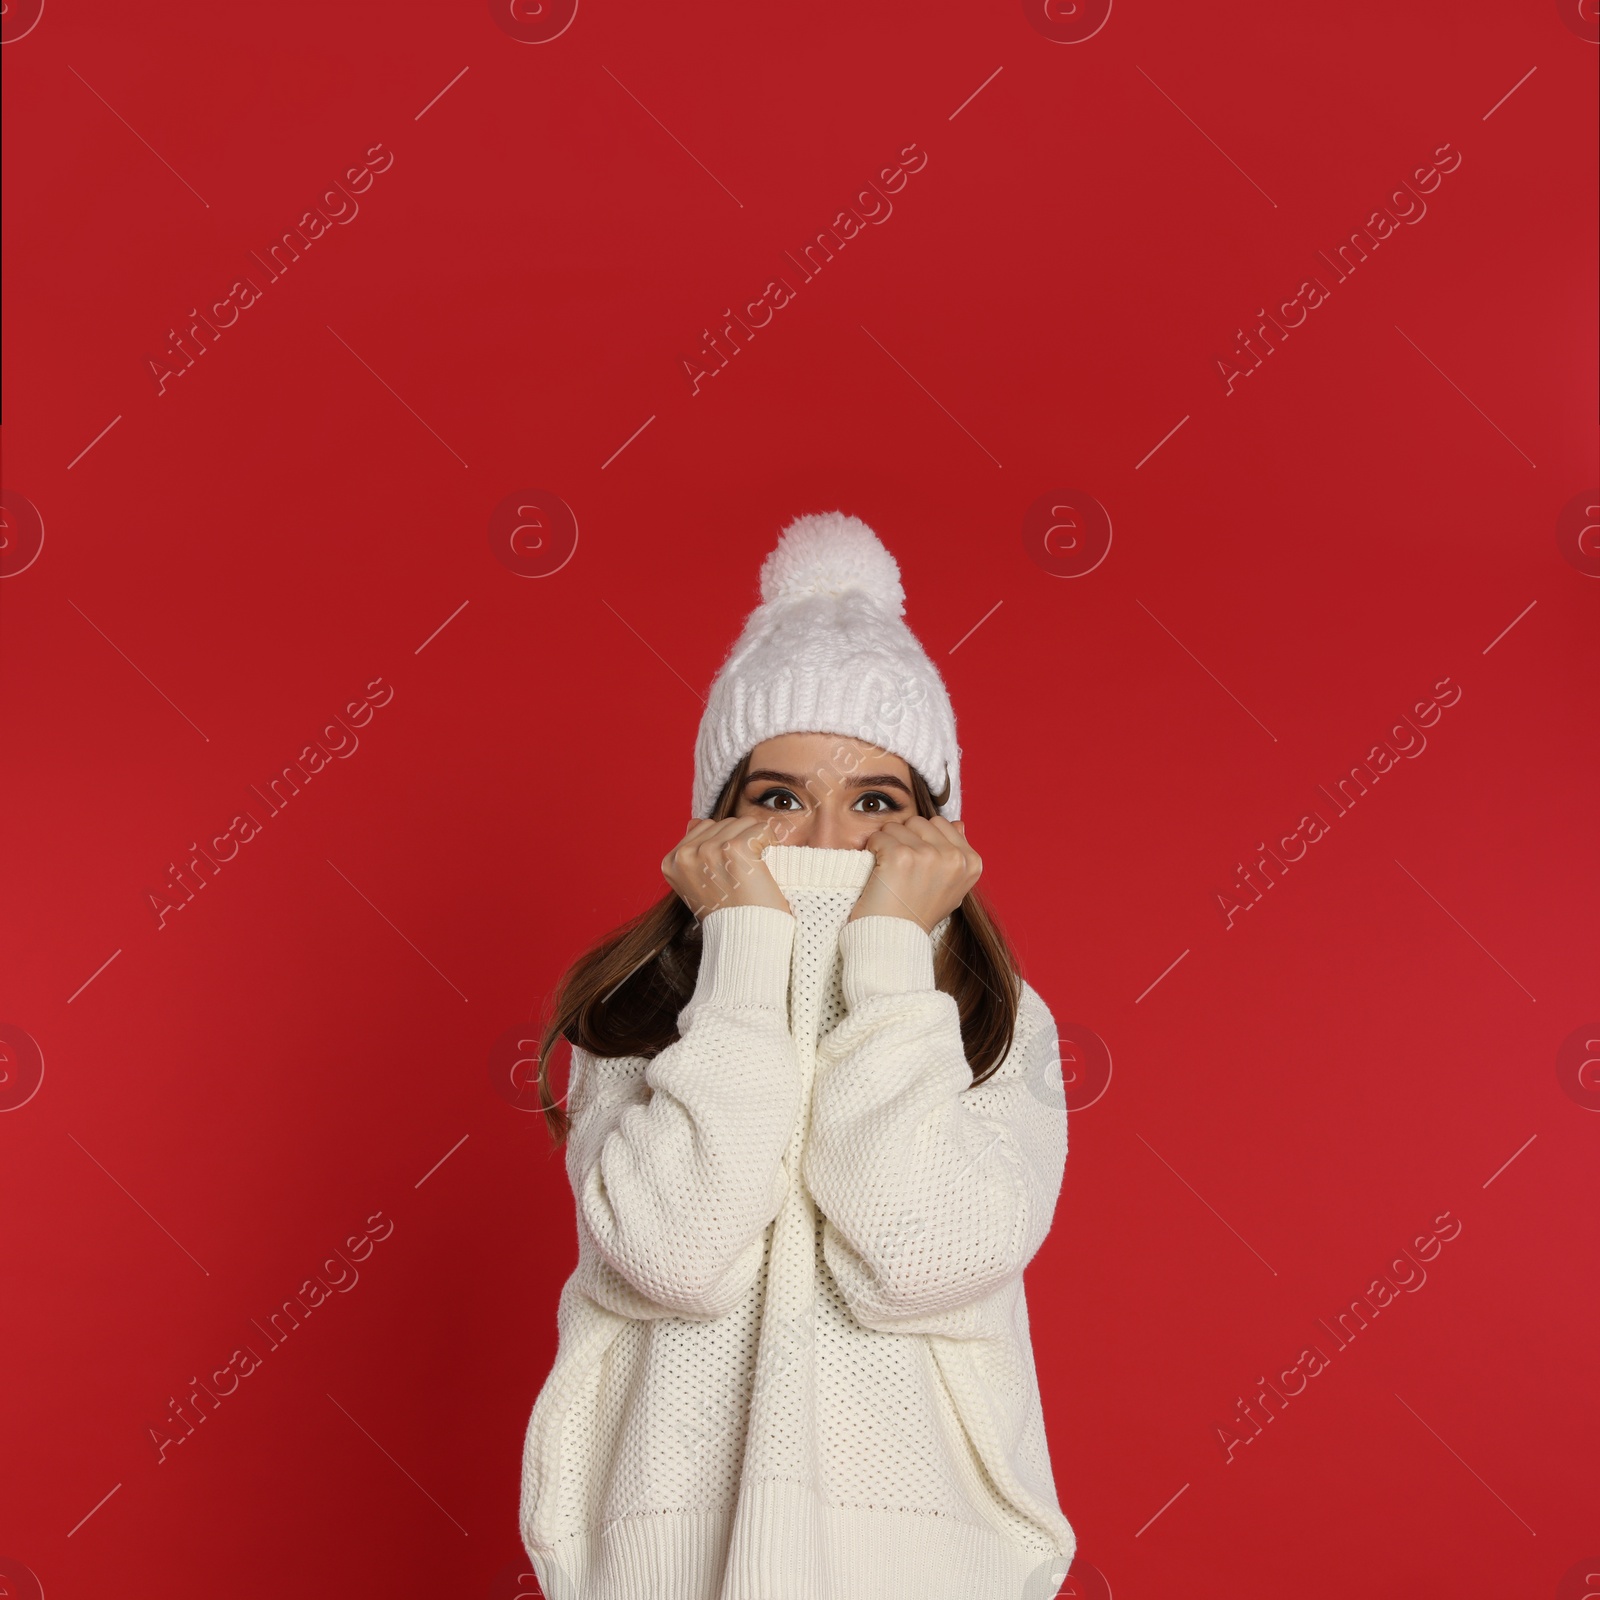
x=880 y=780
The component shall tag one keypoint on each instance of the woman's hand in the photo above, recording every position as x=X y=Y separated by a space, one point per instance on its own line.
x=924 y=869
x=719 y=864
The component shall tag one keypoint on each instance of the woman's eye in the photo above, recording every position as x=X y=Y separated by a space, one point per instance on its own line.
x=884 y=802
x=776 y=794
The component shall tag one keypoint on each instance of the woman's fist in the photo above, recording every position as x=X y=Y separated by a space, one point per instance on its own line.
x=719 y=864
x=924 y=869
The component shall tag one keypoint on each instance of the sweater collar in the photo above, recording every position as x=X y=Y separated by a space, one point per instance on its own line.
x=799 y=866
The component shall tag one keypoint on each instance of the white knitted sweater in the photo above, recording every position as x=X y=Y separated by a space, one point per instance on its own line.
x=794 y=1360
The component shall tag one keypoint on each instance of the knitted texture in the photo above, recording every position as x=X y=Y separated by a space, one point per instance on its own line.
x=794 y=1359
x=826 y=651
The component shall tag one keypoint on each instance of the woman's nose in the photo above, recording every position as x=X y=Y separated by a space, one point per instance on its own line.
x=831 y=830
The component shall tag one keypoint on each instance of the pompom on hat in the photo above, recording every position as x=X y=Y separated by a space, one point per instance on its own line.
x=826 y=651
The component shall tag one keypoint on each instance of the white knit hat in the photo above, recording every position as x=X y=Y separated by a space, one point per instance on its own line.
x=826 y=652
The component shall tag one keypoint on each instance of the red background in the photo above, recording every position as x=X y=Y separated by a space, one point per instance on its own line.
x=1290 y=571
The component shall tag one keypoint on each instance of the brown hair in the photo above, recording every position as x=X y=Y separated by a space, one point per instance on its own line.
x=622 y=997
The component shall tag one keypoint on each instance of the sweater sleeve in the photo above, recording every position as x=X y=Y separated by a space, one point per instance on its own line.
x=676 y=1162
x=936 y=1193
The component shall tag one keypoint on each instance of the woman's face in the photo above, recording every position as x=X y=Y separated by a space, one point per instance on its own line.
x=829 y=791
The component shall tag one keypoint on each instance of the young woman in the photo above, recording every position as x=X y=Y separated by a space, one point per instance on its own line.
x=815 y=1129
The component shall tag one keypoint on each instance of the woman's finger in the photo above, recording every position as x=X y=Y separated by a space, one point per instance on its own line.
x=751 y=835
x=696 y=829
x=928 y=830
x=958 y=837
x=892 y=833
